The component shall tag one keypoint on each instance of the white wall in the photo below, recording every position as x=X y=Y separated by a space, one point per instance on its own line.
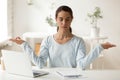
x=32 y=18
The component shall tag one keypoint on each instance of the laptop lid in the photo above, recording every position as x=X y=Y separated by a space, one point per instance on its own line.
x=17 y=63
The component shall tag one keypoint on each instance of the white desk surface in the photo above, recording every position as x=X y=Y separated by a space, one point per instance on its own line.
x=86 y=75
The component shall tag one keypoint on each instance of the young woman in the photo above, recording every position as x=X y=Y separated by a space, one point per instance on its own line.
x=63 y=49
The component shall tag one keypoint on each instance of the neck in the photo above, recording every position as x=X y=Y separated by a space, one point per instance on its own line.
x=63 y=34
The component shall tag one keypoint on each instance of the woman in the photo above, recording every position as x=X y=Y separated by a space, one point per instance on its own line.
x=63 y=49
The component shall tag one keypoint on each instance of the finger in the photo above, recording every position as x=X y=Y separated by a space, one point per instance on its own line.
x=13 y=40
x=18 y=38
x=107 y=43
x=113 y=45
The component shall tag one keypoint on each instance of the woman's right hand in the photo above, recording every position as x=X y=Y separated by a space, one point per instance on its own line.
x=108 y=45
x=17 y=40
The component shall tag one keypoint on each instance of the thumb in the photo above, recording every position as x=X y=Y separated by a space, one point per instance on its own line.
x=18 y=38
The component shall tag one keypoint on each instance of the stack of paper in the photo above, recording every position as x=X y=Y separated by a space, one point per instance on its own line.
x=69 y=73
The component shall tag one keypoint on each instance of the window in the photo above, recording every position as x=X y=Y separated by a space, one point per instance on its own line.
x=5 y=19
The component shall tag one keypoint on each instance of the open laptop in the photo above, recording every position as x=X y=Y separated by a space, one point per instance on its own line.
x=19 y=63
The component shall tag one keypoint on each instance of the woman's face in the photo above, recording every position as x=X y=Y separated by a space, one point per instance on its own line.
x=64 y=20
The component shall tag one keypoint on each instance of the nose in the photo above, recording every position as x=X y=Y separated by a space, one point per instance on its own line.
x=64 y=22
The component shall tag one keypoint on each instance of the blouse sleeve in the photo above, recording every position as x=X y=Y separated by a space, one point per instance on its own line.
x=84 y=60
x=40 y=60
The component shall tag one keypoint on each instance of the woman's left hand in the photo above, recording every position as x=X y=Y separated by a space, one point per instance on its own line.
x=17 y=40
x=108 y=45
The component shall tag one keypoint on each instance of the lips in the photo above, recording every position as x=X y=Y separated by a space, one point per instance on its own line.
x=64 y=27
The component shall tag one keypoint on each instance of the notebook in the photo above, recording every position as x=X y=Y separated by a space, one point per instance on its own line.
x=19 y=63
x=69 y=72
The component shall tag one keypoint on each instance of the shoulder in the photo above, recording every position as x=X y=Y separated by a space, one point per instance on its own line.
x=47 y=39
x=78 y=39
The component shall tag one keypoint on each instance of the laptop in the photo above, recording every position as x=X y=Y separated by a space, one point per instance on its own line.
x=19 y=63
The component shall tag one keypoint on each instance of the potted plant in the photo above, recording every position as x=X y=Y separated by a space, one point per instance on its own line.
x=94 y=17
x=50 y=21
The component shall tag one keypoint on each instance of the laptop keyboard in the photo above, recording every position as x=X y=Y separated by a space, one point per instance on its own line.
x=40 y=73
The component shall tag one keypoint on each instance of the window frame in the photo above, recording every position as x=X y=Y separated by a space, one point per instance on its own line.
x=9 y=22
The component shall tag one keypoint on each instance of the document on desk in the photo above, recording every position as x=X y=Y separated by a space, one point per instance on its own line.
x=69 y=73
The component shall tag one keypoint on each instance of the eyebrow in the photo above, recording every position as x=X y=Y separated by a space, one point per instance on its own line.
x=66 y=17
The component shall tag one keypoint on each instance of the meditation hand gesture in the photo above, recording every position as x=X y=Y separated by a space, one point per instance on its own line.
x=17 y=40
x=107 y=45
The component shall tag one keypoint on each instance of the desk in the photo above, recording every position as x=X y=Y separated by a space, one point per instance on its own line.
x=86 y=75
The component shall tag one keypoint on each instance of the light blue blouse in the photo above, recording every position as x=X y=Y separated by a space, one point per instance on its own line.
x=70 y=54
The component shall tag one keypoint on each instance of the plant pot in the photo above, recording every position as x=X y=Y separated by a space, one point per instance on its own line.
x=95 y=31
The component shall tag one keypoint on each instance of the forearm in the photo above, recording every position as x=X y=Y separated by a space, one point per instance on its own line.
x=92 y=55
x=35 y=59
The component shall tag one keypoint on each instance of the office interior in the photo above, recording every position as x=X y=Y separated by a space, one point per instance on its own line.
x=27 y=18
